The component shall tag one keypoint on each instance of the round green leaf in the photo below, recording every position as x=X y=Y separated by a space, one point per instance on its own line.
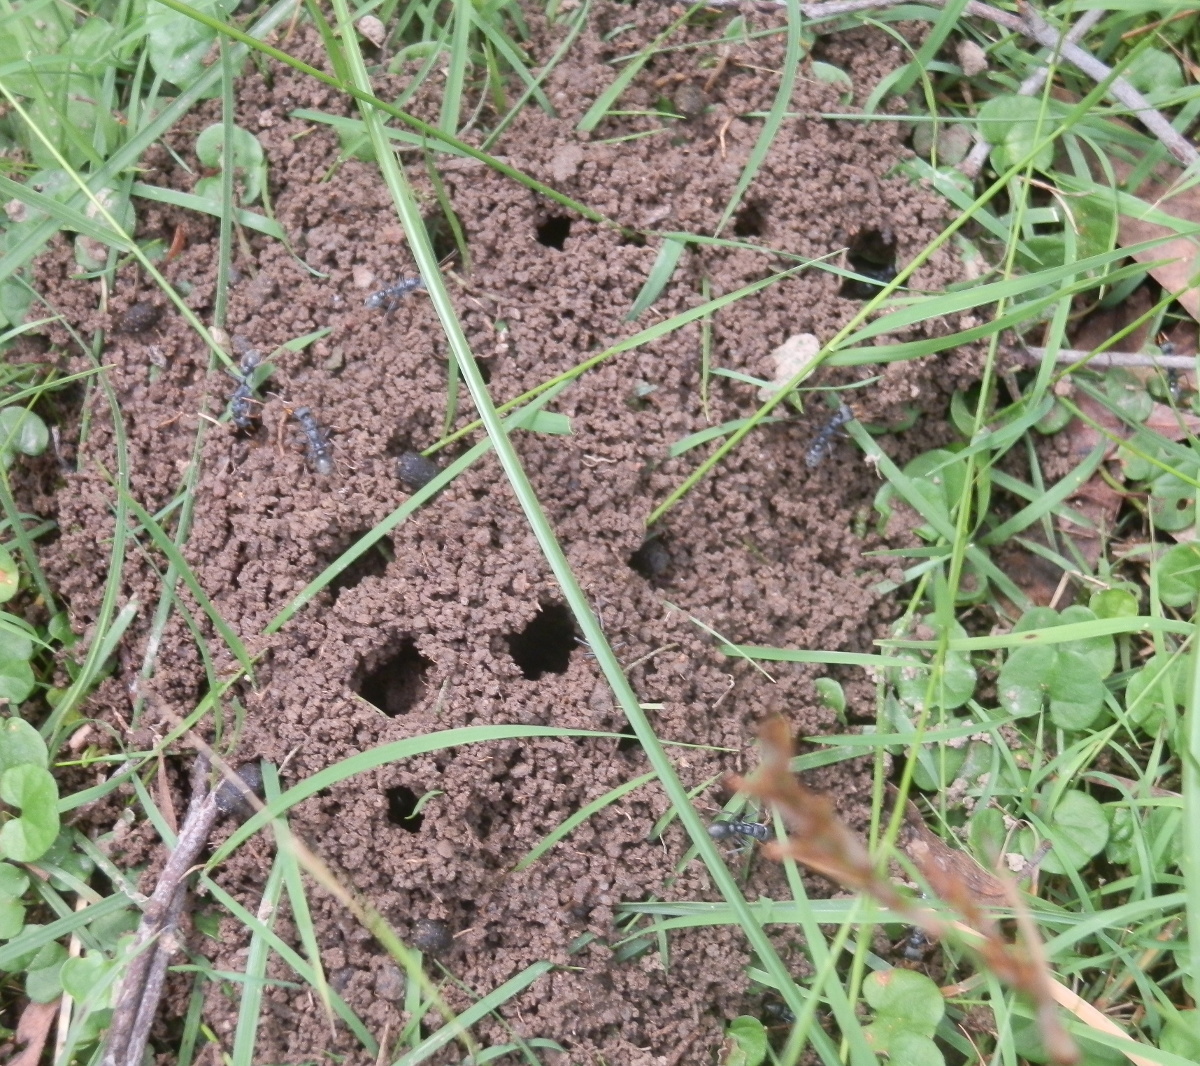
x=1055 y=419
x=22 y=431
x=10 y=576
x=1013 y=125
x=1172 y=504
x=1128 y=395
x=1019 y=688
x=59 y=628
x=914 y=1049
x=747 y=1042
x=1100 y=651
x=1154 y=72
x=20 y=743
x=249 y=163
x=81 y=976
x=33 y=790
x=42 y=982
x=907 y=996
x=1078 y=831
x=62 y=856
x=831 y=695
x=1181 y=1035
x=1154 y=692
x=1114 y=603
x=1178 y=574
x=12 y=919
x=178 y=43
x=16 y=680
x=1075 y=691
x=14 y=882
x=16 y=639
x=987 y=835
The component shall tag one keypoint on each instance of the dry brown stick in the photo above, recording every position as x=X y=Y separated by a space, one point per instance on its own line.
x=1030 y=24
x=1119 y=89
x=129 y=1021
x=1031 y=86
x=1095 y=360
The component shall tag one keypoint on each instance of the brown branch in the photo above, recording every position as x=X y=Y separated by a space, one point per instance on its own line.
x=142 y=984
x=1101 y=360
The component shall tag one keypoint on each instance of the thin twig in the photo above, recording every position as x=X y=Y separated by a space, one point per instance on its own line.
x=1031 y=86
x=143 y=980
x=1119 y=89
x=1100 y=360
x=1030 y=24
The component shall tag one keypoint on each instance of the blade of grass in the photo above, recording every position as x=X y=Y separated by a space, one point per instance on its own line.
x=254 y=983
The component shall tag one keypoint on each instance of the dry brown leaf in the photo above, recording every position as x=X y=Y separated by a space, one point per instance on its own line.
x=1178 y=275
x=33 y=1028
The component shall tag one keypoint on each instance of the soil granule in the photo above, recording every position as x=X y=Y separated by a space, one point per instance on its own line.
x=454 y=620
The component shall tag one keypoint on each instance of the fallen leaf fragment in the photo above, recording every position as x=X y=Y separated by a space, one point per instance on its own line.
x=33 y=1028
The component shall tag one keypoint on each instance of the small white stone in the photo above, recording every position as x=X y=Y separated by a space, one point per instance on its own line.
x=372 y=29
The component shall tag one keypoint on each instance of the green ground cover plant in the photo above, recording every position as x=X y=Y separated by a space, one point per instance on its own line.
x=1069 y=734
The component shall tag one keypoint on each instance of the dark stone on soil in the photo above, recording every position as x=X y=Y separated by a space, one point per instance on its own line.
x=231 y=800
x=415 y=470
x=141 y=316
x=432 y=937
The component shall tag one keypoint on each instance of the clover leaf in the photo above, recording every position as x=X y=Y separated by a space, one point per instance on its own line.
x=1078 y=831
x=745 y=1042
x=1178 y=574
x=13 y=885
x=21 y=431
x=20 y=743
x=249 y=163
x=1154 y=692
x=908 y=1007
x=31 y=788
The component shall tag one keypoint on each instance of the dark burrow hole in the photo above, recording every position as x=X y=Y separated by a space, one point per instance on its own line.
x=402 y=805
x=628 y=744
x=554 y=231
x=397 y=684
x=545 y=645
x=652 y=560
x=872 y=254
x=441 y=235
x=372 y=563
x=749 y=221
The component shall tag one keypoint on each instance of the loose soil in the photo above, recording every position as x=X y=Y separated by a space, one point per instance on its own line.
x=458 y=621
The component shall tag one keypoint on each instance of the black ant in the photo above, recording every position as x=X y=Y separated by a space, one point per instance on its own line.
x=393 y=294
x=319 y=449
x=242 y=401
x=823 y=442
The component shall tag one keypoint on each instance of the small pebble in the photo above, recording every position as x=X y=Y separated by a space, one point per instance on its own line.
x=141 y=316
x=431 y=936
x=416 y=470
x=232 y=801
x=390 y=983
